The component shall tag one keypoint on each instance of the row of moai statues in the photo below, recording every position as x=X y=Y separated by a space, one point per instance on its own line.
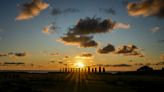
x=86 y=69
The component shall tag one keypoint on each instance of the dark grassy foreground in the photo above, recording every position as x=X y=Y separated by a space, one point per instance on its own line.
x=81 y=82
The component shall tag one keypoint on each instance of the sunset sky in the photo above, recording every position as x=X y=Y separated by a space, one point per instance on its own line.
x=51 y=34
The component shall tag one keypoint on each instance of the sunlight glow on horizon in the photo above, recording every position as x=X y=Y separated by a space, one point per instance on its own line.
x=79 y=64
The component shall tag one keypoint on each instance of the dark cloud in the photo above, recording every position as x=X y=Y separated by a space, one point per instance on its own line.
x=18 y=54
x=114 y=65
x=14 y=63
x=90 y=43
x=150 y=64
x=107 y=49
x=29 y=10
x=14 y=54
x=52 y=61
x=129 y=50
x=57 y=11
x=108 y=10
x=121 y=65
x=82 y=33
x=60 y=62
x=79 y=40
x=66 y=57
x=86 y=54
x=2 y=54
x=93 y=25
x=31 y=65
x=65 y=64
x=130 y=61
x=74 y=39
x=146 y=8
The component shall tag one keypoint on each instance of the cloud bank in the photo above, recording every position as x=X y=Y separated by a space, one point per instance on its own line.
x=127 y=50
x=83 y=32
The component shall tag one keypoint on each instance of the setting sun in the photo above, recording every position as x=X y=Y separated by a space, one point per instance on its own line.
x=79 y=65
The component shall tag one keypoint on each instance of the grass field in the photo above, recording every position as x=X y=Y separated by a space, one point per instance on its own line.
x=83 y=82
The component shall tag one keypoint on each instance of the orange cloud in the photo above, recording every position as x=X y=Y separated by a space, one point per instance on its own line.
x=81 y=41
x=129 y=50
x=146 y=8
x=29 y=10
x=50 y=29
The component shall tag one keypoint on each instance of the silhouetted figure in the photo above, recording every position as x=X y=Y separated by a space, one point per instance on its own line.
x=88 y=69
x=65 y=69
x=145 y=68
x=78 y=69
x=74 y=69
x=92 y=70
x=103 y=70
x=95 y=70
x=99 y=69
x=85 y=70
x=163 y=69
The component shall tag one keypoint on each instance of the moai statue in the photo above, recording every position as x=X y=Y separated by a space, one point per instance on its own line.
x=103 y=70
x=71 y=69
x=99 y=69
x=65 y=69
x=92 y=70
x=85 y=70
x=88 y=69
x=78 y=69
x=95 y=70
